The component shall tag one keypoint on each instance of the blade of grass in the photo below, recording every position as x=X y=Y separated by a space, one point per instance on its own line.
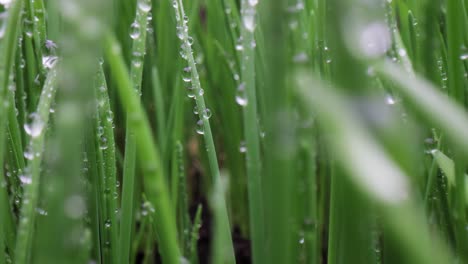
x=251 y=131
x=8 y=44
x=456 y=89
x=138 y=34
x=31 y=177
x=154 y=182
x=194 y=236
x=373 y=173
x=203 y=123
x=435 y=106
x=106 y=158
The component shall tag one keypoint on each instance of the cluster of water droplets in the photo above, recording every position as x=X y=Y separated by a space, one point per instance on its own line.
x=147 y=209
x=49 y=59
x=190 y=76
x=136 y=30
x=443 y=73
x=103 y=144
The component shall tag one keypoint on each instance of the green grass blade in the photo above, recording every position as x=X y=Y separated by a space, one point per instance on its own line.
x=251 y=131
x=138 y=34
x=373 y=172
x=31 y=177
x=203 y=124
x=435 y=106
x=154 y=182
x=8 y=45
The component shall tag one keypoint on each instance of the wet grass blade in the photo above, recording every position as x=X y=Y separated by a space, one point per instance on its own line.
x=138 y=34
x=247 y=95
x=155 y=184
x=373 y=173
x=8 y=45
x=433 y=104
x=31 y=176
x=203 y=124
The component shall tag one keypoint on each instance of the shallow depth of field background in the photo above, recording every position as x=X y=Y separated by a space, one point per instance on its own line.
x=233 y=131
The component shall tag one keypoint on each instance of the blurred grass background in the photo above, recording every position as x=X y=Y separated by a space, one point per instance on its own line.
x=233 y=131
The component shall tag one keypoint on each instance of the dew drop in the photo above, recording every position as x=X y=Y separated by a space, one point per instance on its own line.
x=253 y=2
x=187 y=74
x=108 y=223
x=49 y=61
x=241 y=97
x=35 y=126
x=190 y=40
x=50 y=45
x=25 y=179
x=207 y=113
x=195 y=110
x=242 y=147
x=29 y=154
x=144 y=5
x=390 y=100
x=190 y=92
x=200 y=129
x=103 y=143
x=135 y=30
x=248 y=19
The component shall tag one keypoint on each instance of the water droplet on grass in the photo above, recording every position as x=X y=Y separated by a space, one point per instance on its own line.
x=50 y=45
x=241 y=97
x=253 y=2
x=35 y=126
x=190 y=92
x=144 y=5
x=187 y=74
x=135 y=30
x=25 y=179
x=242 y=147
x=248 y=19
x=390 y=100
x=49 y=61
x=200 y=128
x=207 y=113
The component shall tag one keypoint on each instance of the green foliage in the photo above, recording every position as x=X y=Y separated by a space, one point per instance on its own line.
x=233 y=131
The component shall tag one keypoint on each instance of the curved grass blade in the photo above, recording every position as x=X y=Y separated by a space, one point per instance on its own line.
x=433 y=104
x=155 y=185
x=373 y=173
x=31 y=177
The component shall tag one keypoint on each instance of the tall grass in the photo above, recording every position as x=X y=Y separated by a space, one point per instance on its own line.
x=233 y=131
